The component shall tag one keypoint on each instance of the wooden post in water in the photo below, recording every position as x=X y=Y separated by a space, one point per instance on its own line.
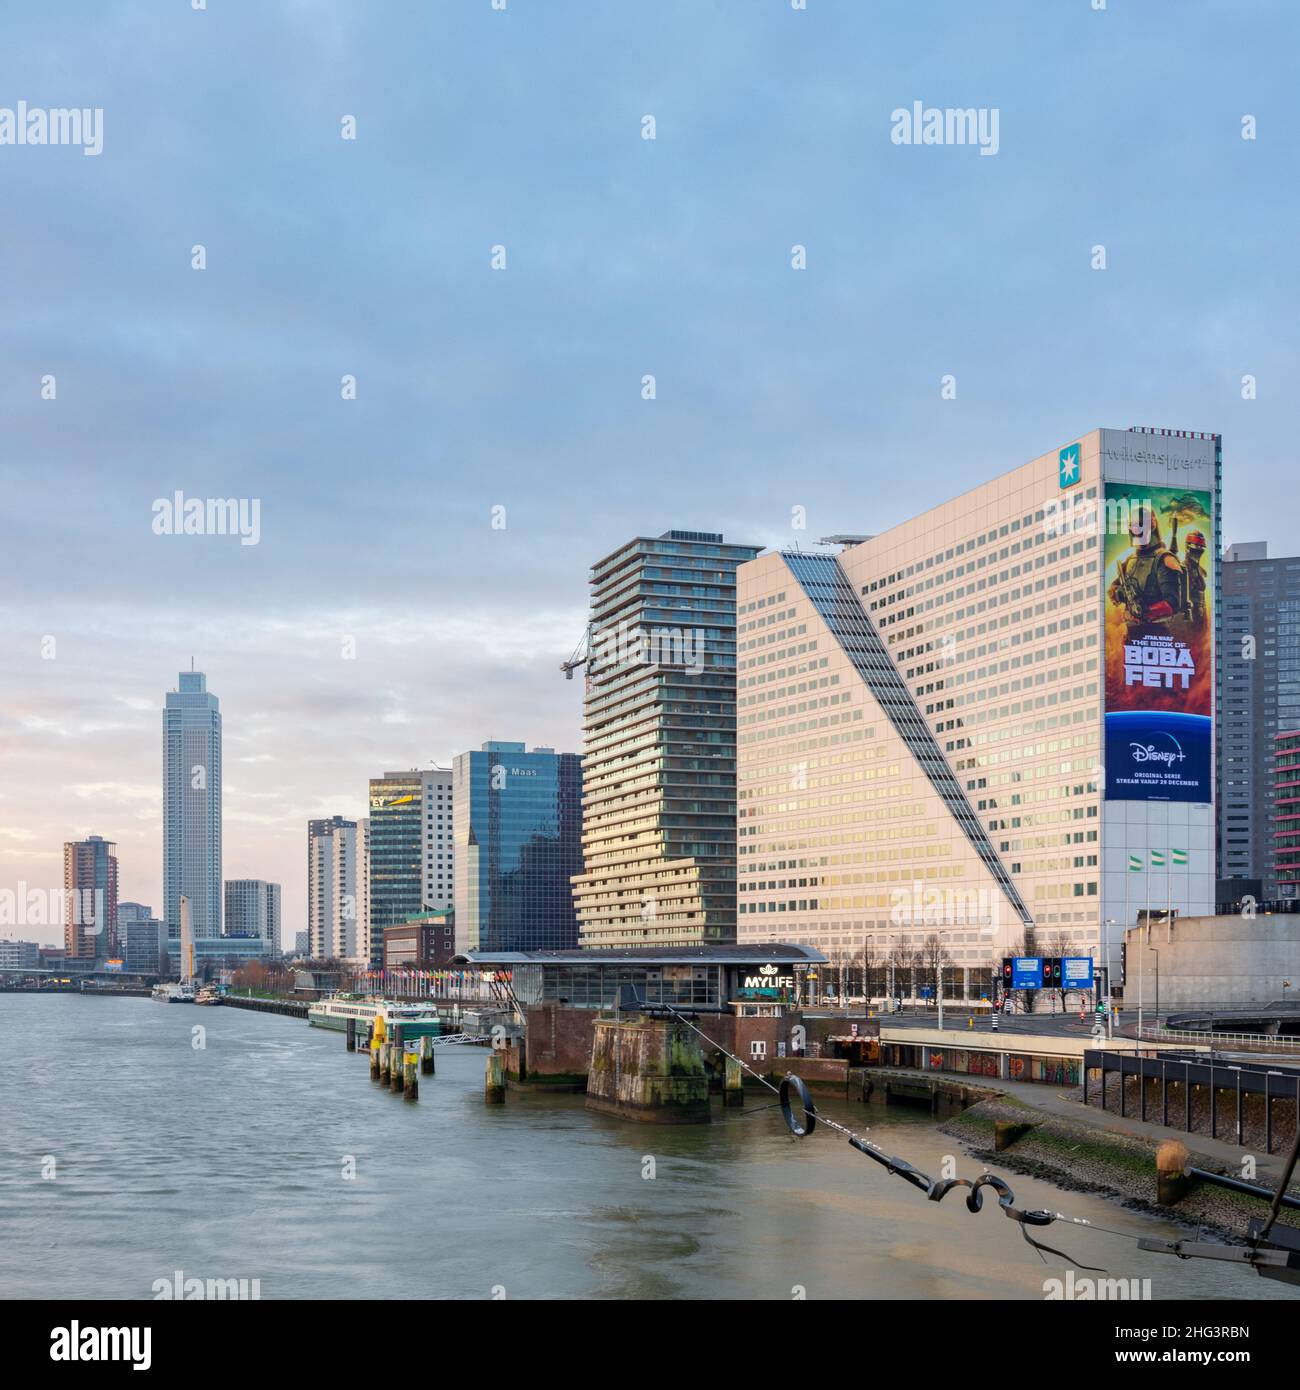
x=374 y=1057
x=733 y=1085
x=1172 y=1161
x=494 y=1082
x=410 y=1074
x=385 y=1061
x=352 y=1035
x=395 y=1077
x=426 y=1055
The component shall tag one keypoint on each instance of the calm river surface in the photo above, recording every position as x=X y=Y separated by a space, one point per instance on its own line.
x=228 y=1163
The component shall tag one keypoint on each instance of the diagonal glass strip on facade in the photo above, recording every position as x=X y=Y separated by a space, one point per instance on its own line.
x=831 y=594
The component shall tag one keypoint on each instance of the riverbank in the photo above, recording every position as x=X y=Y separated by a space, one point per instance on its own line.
x=1087 y=1152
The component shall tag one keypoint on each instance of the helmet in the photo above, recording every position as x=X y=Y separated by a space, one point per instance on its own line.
x=1195 y=540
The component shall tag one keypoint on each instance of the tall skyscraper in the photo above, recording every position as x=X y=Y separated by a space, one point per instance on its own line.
x=192 y=807
x=518 y=842
x=90 y=898
x=410 y=861
x=1258 y=698
x=659 y=752
x=993 y=719
x=253 y=910
x=335 y=906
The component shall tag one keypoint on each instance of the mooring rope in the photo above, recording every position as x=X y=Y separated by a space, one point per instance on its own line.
x=935 y=1189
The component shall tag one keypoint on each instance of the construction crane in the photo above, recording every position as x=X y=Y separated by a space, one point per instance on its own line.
x=581 y=655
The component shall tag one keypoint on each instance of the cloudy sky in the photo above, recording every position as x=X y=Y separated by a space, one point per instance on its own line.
x=479 y=388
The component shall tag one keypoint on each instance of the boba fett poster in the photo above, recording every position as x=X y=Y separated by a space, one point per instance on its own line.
x=1159 y=592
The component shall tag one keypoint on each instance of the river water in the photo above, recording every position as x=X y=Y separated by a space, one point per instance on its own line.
x=229 y=1162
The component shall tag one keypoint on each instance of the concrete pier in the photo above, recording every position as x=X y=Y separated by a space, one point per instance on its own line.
x=494 y=1081
x=648 y=1069
x=733 y=1084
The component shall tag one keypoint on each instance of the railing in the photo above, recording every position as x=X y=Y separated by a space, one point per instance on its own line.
x=1218 y=1041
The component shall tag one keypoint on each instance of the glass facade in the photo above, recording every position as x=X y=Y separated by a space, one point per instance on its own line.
x=597 y=986
x=396 y=846
x=659 y=754
x=192 y=807
x=517 y=844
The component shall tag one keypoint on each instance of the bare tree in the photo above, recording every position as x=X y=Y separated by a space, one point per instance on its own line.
x=934 y=956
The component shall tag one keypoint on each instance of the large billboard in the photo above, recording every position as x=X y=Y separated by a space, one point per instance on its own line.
x=1159 y=593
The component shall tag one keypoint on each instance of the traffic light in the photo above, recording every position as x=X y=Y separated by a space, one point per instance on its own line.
x=1052 y=972
x=1006 y=972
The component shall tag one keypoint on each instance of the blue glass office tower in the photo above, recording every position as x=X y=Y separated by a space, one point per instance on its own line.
x=518 y=841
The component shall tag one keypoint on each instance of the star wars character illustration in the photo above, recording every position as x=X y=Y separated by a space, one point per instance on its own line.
x=1194 y=546
x=1150 y=584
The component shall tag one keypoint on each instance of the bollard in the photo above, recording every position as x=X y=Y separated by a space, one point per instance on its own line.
x=395 y=1060
x=385 y=1062
x=374 y=1059
x=352 y=1035
x=494 y=1082
x=733 y=1084
x=410 y=1075
x=1172 y=1181
x=970 y=1021
x=426 y=1055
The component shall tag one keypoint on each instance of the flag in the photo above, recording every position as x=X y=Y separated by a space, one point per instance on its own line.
x=1135 y=863
x=1179 y=856
x=1157 y=859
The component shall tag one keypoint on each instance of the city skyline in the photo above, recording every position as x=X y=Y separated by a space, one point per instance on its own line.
x=521 y=388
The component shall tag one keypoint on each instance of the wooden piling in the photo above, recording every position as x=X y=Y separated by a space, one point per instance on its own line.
x=426 y=1055
x=733 y=1084
x=1172 y=1160
x=494 y=1081
x=352 y=1035
x=410 y=1075
x=395 y=1064
x=374 y=1058
x=385 y=1062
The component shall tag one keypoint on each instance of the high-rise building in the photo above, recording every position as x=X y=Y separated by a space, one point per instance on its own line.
x=335 y=905
x=192 y=807
x=90 y=898
x=253 y=910
x=659 y=749
x=1286 y=803
x=368 y=945
x=1258 y=698
x=410 y=859
x=142 y=938
x=992 y=721
x=518 y=842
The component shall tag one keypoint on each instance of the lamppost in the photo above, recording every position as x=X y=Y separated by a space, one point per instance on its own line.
x=866 y=982
x=1155 y=951
x=1110 y=1004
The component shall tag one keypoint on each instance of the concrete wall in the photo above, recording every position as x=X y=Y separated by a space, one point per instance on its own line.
x=1214 y=961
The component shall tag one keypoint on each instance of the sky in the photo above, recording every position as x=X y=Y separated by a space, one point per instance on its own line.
x=441 y=524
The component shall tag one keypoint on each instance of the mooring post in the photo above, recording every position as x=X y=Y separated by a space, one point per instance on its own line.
x=426 y=1055
x=395 y=1076
x=1171 y=1172
x=410 y=1075
x=352 y=1035
x=733 y=1084
x=374 y=1058
x=494 y=1081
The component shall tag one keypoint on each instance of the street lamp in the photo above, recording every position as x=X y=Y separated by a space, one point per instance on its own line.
x=1110 y=1005
x=1155 y=951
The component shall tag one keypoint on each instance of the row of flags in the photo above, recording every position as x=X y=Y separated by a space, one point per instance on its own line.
x=1177 y=857
x=436 y=976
